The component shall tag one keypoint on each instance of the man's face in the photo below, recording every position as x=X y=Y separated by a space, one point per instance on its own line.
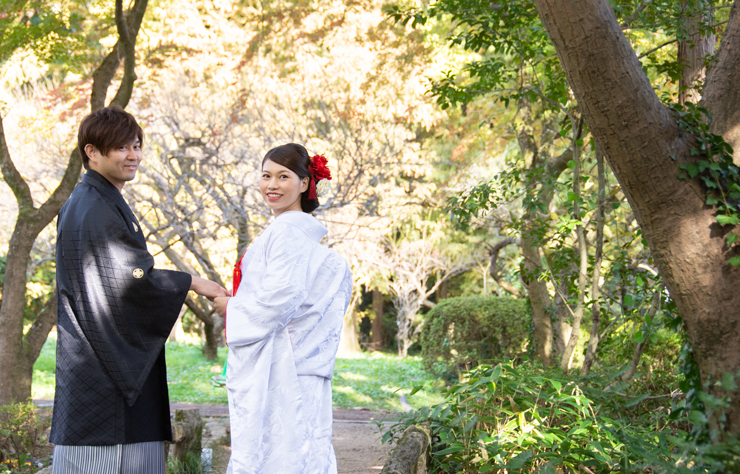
x=119 y=165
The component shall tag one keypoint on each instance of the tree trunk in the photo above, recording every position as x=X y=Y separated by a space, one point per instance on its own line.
x=211 y=343
x=562 y=329
x=575 y=333
x=539 y=296
x=539 y=299
x=721 y=95
x=349 y=343
x=692 y=52
x=442 y=292
x=376 y=332
x=640 y=138
x=18 y=352
x=593 y=341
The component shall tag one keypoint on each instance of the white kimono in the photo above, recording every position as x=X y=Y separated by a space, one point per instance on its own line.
x=283 y=328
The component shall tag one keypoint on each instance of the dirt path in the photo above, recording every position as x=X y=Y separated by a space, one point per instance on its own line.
x=357 y=443
x=356 y=439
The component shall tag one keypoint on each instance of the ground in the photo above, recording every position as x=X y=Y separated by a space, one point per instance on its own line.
x=356 y=438
x=356 y=441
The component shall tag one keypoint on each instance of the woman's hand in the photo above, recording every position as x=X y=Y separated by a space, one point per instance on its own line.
x=220 y=305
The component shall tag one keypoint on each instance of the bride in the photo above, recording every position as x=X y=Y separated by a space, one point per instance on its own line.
x=282 y=327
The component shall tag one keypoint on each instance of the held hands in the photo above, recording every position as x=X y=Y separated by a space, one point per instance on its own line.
x=219 y=304
x=208 y=288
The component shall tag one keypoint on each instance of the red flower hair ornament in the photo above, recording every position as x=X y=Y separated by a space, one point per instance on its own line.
x=320 y=175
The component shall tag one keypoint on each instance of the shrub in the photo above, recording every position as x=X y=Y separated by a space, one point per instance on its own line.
x=459 y=333
x=533 y=420
x=21 y=436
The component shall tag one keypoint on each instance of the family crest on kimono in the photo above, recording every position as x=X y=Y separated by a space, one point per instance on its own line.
x=283 y=325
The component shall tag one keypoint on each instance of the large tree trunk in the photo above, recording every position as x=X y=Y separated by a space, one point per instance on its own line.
x=639 y=136
x=19 y=351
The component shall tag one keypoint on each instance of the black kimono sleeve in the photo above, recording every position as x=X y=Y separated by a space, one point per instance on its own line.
x=125 y=307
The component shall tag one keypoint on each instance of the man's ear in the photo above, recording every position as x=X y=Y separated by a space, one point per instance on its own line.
x=91 y=151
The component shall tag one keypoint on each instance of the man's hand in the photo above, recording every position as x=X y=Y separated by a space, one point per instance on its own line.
x=219 y=304
x=208 y=288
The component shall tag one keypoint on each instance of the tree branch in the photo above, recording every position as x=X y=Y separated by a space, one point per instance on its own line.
x=628 y=22
x=38 y=333
x=493 y=252
x=13 y=178
x=127 y=33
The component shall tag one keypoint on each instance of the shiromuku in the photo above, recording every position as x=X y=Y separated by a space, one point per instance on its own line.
x=283 y=325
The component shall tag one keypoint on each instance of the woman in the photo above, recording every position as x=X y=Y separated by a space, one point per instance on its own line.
x=283 y=325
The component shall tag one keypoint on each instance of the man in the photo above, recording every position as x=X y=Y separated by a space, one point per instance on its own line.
x=111 y=407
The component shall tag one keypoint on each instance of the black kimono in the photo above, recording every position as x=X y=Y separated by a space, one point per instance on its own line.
x=115 y=314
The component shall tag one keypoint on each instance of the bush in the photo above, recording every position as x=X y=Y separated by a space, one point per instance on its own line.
x=460 y=333
x=21 y=436
x=528 y=419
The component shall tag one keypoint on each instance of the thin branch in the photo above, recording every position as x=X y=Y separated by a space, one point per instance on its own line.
x=651 y=51
x=628 y=22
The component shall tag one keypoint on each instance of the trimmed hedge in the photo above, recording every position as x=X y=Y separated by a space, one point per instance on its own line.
x=459 y=333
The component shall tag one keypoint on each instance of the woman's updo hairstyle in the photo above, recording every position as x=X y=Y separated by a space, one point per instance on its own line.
x=294 y=157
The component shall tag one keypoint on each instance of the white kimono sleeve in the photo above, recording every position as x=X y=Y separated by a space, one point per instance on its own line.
x=273 y=287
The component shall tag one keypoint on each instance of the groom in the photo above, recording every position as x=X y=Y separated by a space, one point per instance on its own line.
x=111 y=406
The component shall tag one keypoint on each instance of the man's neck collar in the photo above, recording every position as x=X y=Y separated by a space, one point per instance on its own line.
x=93 y=177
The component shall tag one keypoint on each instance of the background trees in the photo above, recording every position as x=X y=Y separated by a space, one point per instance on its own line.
x=460 y=133
x=646 y=154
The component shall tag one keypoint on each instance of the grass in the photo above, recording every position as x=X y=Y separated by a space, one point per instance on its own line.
x=371 y=380
x=375 y=380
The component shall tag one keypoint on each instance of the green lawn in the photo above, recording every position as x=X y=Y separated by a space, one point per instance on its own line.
x=371 y=381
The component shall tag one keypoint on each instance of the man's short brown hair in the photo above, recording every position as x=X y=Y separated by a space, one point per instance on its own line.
x=106 y=129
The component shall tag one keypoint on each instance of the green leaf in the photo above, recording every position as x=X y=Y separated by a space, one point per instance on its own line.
x=692 y=169
x=615 y=205
x=452 y=449
x=728 y=382
x=571 y=164
x=519 y=460
x=734 y=261
x=628 y=300
x=697 y=417
x=727 y=220
x=731 y=239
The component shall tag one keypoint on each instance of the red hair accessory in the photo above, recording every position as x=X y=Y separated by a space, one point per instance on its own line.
x=319 y=171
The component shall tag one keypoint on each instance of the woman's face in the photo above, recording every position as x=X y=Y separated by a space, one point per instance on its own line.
x=281 y=188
